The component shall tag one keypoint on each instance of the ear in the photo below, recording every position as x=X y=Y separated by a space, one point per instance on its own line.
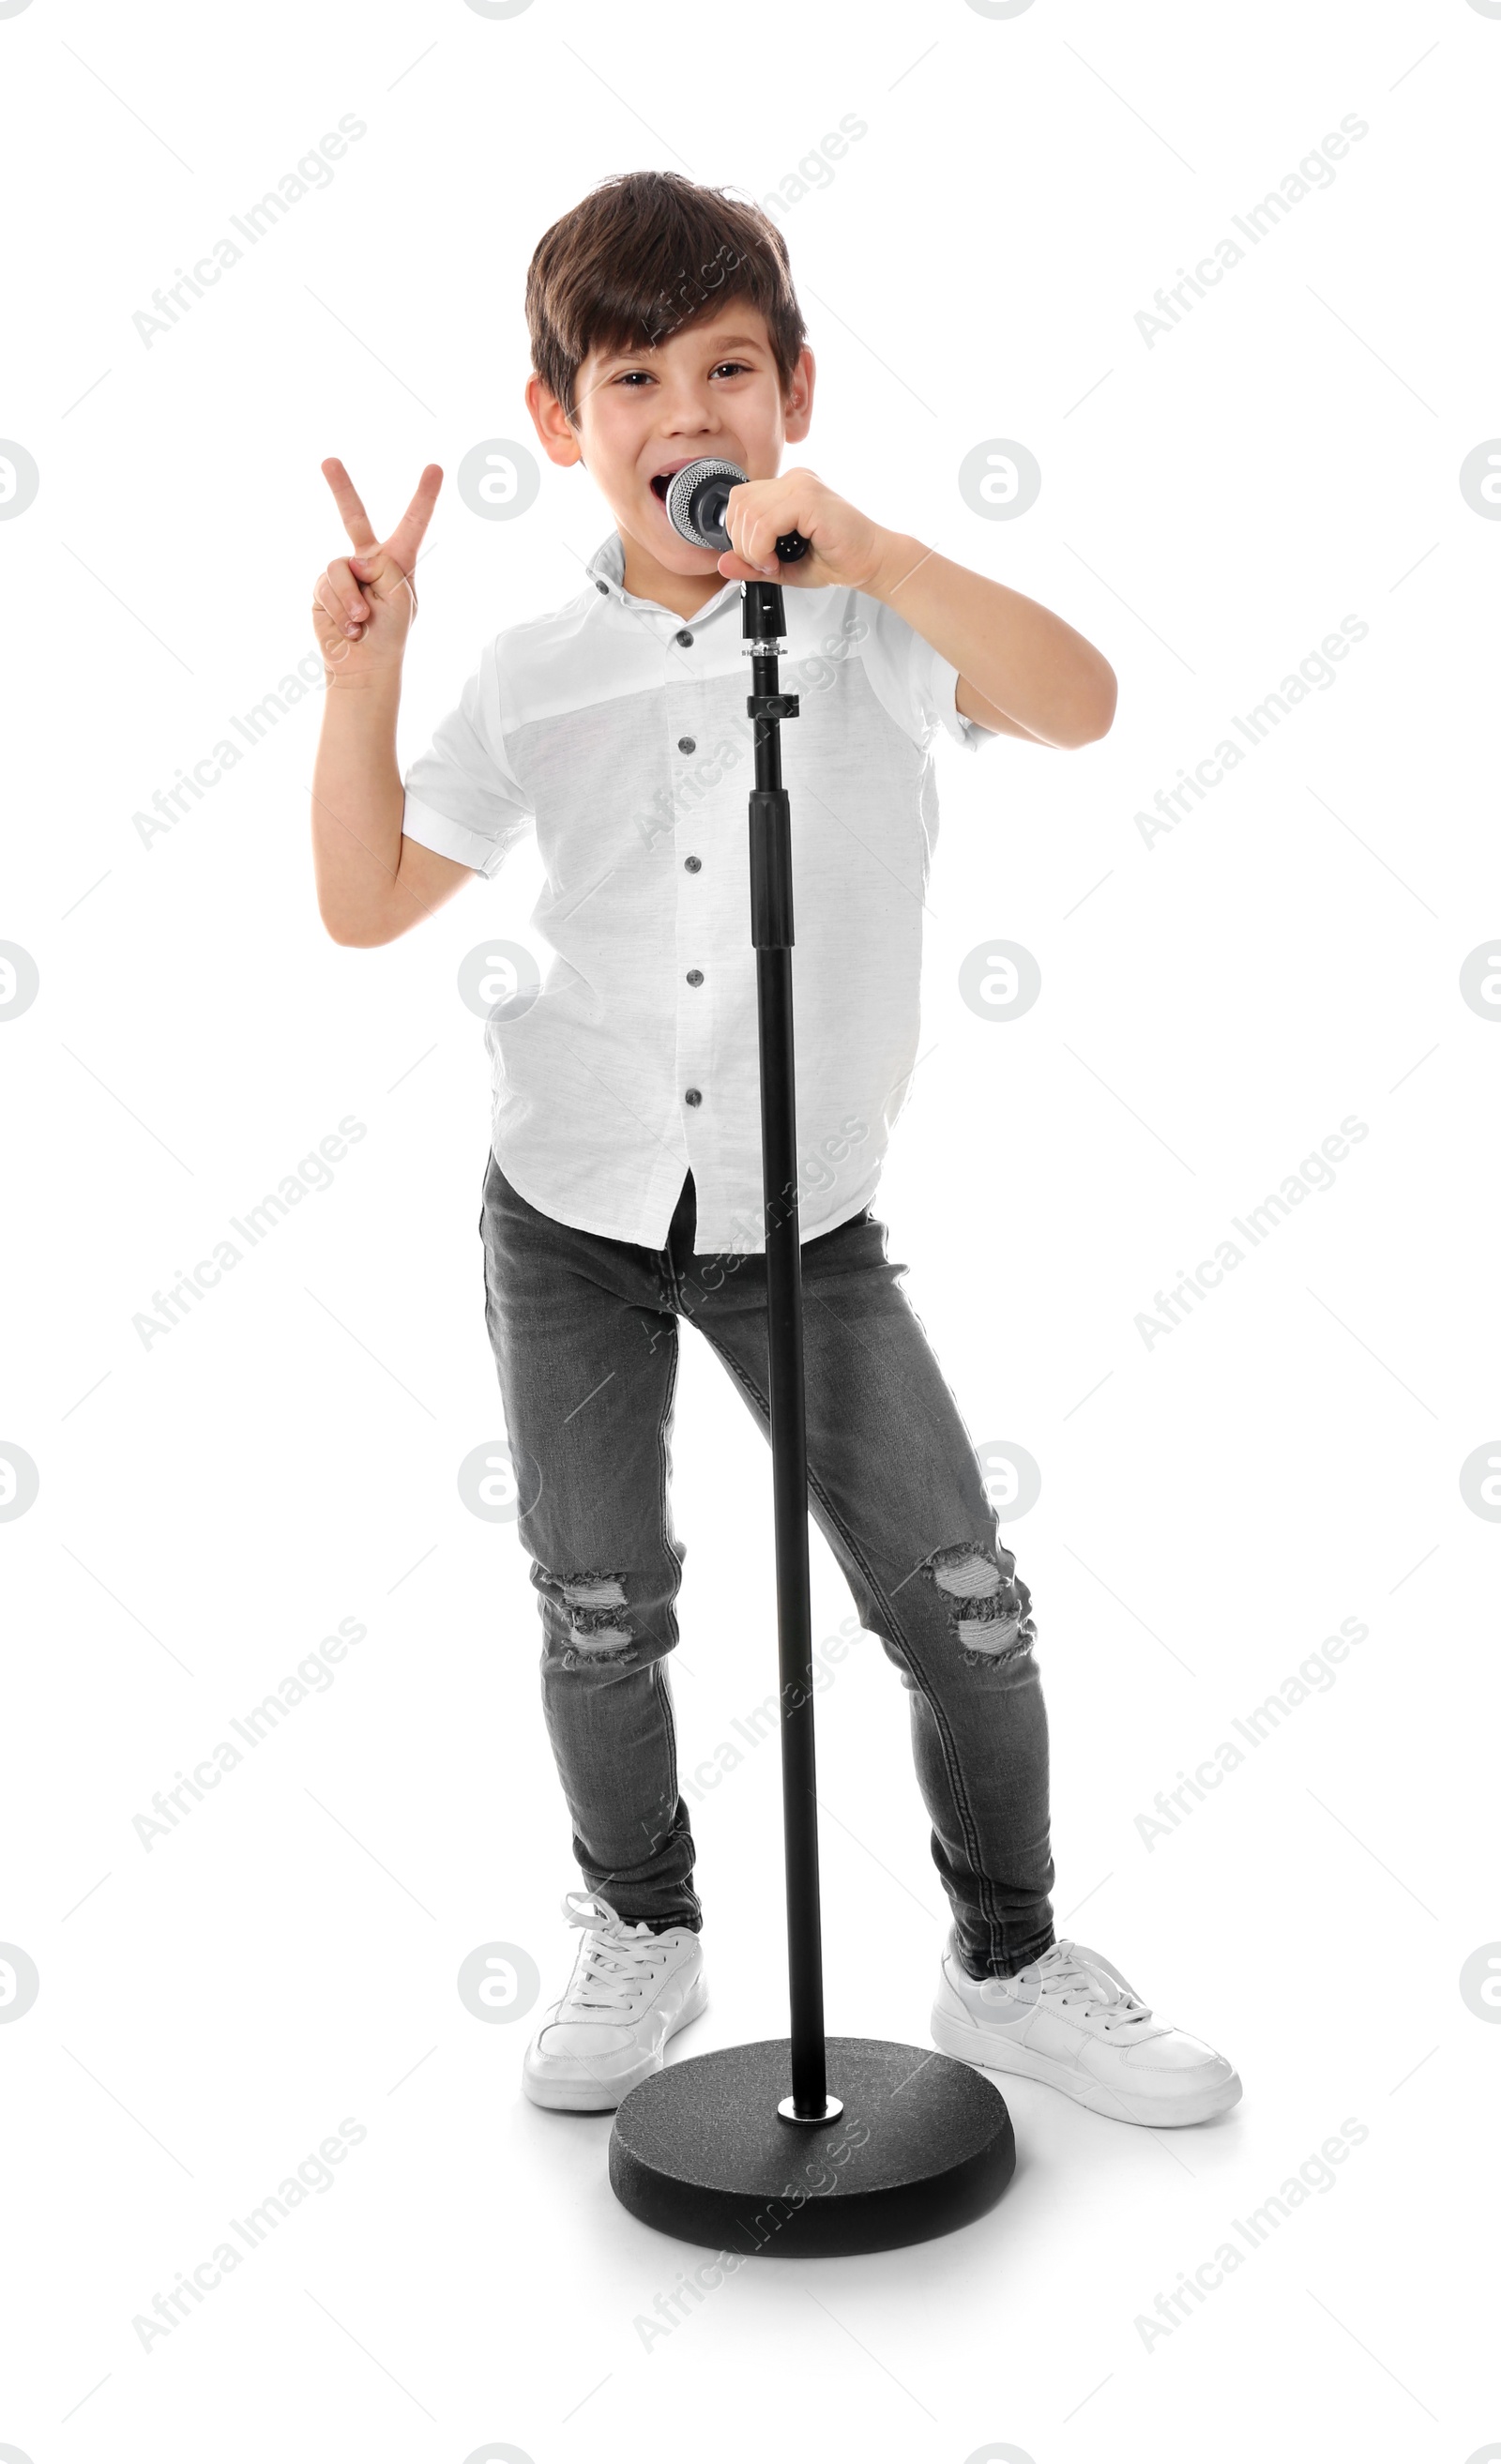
x=555 y=431
x=797 y=403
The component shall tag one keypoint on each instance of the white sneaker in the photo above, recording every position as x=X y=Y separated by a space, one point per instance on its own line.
x=1071 y=2018
x=630 y=1990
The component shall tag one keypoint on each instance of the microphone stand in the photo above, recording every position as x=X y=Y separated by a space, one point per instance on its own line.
x=916 y=2143
x=763 y=623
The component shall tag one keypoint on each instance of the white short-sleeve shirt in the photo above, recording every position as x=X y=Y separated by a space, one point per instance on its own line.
x=617 y=732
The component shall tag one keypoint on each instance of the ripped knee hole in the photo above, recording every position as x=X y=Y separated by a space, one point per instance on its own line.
x=592 y=1601
x=989 y=1605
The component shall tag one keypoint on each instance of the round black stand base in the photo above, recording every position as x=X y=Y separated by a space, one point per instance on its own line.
x=922 y=2144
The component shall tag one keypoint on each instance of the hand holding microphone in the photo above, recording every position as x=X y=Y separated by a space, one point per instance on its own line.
x=754 y=523
x=697 y=498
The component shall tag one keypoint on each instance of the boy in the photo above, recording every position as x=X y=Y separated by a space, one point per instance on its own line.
x=624 y=1185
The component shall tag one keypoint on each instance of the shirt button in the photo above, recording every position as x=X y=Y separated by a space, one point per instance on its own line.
x=695 y=975
x=686 y=638
x=692 y=864
x=693 y=1096
x=603 y=590
x=686 y=744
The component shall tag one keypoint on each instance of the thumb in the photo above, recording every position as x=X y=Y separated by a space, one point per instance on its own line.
x=381 y=574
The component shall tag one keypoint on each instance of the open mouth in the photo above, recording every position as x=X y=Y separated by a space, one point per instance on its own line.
x=664 y=478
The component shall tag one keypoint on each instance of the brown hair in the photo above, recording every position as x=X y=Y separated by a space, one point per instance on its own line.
x=644 y=255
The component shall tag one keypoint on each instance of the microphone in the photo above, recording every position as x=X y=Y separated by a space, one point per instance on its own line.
x=696 y=498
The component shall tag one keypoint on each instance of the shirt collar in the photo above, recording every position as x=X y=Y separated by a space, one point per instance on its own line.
x=607 y=564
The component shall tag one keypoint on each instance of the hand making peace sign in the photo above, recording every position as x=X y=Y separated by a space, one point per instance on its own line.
x=363 y=604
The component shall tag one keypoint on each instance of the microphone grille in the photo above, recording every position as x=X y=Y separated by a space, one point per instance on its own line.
x=683 y=488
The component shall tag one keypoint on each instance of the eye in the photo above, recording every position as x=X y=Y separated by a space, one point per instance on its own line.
x=628 y=376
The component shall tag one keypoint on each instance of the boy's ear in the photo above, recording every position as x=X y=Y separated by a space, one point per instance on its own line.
x=555 y=431
x=797 y=403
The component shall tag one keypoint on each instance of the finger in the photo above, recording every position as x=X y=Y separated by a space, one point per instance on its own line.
x=408 y=537
x=758 y=548
x=350 y=511
x=734 y=568
x=347 y=591
x=334 y=644
x=331 y=629
x=753 y=535
x=337 y=608
x=382 y=580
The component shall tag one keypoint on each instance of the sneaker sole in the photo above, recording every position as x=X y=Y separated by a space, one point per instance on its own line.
x=968 y=2043
x=585 y=2096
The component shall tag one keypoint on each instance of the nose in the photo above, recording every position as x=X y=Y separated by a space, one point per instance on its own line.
x=684 y=406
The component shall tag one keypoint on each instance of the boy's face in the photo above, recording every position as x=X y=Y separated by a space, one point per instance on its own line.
x=712 y=388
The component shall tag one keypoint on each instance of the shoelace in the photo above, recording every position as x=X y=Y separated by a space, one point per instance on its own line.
x=1068 y=1972
x=614 y=1961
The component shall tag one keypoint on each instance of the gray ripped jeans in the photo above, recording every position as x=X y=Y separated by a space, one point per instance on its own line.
x=894 y=1485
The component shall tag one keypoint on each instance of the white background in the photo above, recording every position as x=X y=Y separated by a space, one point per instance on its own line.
x=1214 y=1005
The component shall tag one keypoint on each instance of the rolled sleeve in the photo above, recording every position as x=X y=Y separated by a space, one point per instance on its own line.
x=944 y=683
x=463 y=799
x=914 y=682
